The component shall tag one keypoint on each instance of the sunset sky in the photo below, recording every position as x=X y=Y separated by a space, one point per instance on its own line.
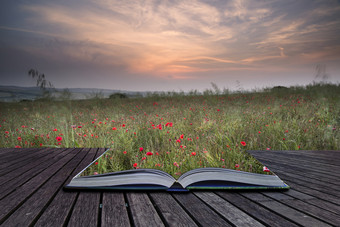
x=169 y=45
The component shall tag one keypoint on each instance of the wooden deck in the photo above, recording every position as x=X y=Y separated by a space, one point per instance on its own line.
x=31 y=194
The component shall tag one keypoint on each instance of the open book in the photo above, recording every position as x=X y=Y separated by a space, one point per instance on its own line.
x=153 y=179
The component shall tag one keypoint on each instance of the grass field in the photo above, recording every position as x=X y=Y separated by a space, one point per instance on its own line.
x=176 y=132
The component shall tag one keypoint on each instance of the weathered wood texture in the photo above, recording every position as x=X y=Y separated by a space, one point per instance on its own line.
x=32 y=180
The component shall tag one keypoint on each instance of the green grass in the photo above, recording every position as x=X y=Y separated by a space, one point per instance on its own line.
x=213 y=126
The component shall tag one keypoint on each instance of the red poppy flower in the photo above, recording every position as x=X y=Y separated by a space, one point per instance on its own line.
x=149 y=153
x=135 y=165
x=237 y=165
x=141 y=149
x=114 y=128
x=96 y=163
x=243 y=143
x=265 y=169
x=59 y=138
x=182 y=136
x=169 y=124
x=193 y=153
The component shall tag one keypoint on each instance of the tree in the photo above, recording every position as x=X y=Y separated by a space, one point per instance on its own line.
x=118 y=96
x=216 y=88
x=41 y=80
x=320 y=71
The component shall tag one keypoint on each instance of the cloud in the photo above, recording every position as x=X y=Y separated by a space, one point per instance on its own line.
x=246 y=12
x=150 y=35
x=282 y=53
x=178 y=38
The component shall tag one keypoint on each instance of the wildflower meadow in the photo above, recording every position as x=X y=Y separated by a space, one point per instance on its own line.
x=176 y=132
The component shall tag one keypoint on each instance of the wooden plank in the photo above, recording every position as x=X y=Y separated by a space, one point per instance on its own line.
x=7 y=152
x=304 y=174
x=258 y=212
x=315 y=190
x=86 y=210
x=17 y=197
x=299 y=160
x=30 y=209
x=48 y=205
x=313 y=183
x=172 y=212
x=317 y=212
x=316 y=163
x=305 y=188
x=322 y=155
x=234 y=215
x=330 y=170
x=17 y=158
x=59 y=210
x=4 y=149
x=12 y=153
x=286 y=211
x=322 y=186
x=114 y=210
x=324 y=158
x=10 y=167
x=142 y=210
x=331 y=207
x=199 y=210
x=21 y=169
x=278 y=167
x=297 y=166
x=14 y=182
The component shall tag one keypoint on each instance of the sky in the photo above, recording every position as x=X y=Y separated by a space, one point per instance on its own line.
x=161 y=45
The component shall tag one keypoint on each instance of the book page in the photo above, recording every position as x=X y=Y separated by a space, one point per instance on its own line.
x=114 y=161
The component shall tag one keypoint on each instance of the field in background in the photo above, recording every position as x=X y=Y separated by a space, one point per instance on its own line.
x=177 y=132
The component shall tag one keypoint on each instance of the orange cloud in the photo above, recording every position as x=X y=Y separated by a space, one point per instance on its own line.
x=149 y=40
x=167 y=38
